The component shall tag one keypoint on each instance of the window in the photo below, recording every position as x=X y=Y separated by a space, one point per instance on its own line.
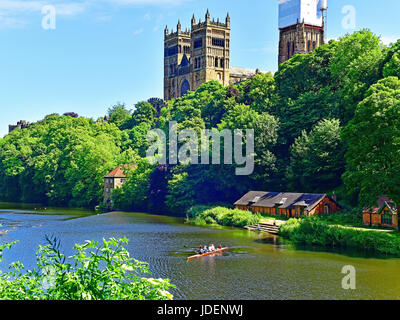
x=218 y=42
x=326 y=209
x=171 y=51
x=198 y=43
x=222 y=63
x=185 y=87
x=309 y=46
x=288 y=50
x=387 y=218
x=216 y=62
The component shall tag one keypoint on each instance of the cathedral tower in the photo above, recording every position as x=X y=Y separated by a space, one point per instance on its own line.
x=301 y=25
x=196 y=56
x=176 y=52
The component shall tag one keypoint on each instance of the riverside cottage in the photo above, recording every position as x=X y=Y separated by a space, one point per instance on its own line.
x=288 y=204
x=385 y=215
x=115 y=179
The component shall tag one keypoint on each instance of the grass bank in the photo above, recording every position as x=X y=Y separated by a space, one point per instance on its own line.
x=212 y=215
x=322 y=232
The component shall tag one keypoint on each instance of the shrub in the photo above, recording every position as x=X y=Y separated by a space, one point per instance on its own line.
x=314 y=231
x=201 y=215
x=96 y=272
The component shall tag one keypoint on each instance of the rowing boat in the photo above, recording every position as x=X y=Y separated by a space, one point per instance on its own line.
x=207 y=254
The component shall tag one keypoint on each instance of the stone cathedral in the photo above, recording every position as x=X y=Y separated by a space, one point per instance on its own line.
x=201 y=54
x=198 y=55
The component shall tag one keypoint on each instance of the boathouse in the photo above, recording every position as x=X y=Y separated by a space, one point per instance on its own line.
x=384 y=215
x=288 y=204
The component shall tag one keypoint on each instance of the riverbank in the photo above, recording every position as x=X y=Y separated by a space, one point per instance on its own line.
x=341 y=230
x=317 y=232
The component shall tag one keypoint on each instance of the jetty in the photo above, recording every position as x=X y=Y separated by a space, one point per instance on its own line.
x=269 y=226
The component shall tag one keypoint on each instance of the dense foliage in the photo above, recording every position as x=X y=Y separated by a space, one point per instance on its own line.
x=342 y=98
x=201 y=215
x=316 y=231
x=96 y=272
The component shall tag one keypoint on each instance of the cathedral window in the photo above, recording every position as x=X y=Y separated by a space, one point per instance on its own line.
x=185 y=87
x=222 y=63
x=216 y=62
x=198 y=43
x=218 y=42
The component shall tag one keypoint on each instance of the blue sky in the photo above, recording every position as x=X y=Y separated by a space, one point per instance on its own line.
x=107 y=51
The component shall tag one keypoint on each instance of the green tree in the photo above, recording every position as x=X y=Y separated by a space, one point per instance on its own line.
x=373 y=135
x=181 y=194
x=119 y=115
x=392 y=68
x=60 y=161
x=355 y=66
x=144 y=113
x=317 y=159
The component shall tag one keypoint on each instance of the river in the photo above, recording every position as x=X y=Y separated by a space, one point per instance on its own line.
x=257 y=267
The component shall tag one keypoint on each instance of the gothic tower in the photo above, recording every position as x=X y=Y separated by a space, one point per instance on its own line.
x=196 y=56
x=210 y=51
x=176 y=50
x=301 y=26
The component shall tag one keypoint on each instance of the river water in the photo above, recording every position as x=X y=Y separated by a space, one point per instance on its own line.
x=256 y=266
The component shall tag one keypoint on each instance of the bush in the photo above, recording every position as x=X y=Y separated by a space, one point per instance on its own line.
x=95 y=272
x=201 y=215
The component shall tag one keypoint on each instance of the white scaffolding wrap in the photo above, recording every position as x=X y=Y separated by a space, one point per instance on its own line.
x=308 y=11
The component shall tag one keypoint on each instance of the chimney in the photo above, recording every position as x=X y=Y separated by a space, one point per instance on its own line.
x=334 y=197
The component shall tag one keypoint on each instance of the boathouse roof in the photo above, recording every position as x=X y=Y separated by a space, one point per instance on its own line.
x=383 y=202
x=282 y=200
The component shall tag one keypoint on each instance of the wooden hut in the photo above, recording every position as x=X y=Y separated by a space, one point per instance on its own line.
x=384 y=215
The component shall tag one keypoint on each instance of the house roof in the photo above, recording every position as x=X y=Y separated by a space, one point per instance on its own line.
x=119 y=172
x=283 y=200
x=383 y=202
